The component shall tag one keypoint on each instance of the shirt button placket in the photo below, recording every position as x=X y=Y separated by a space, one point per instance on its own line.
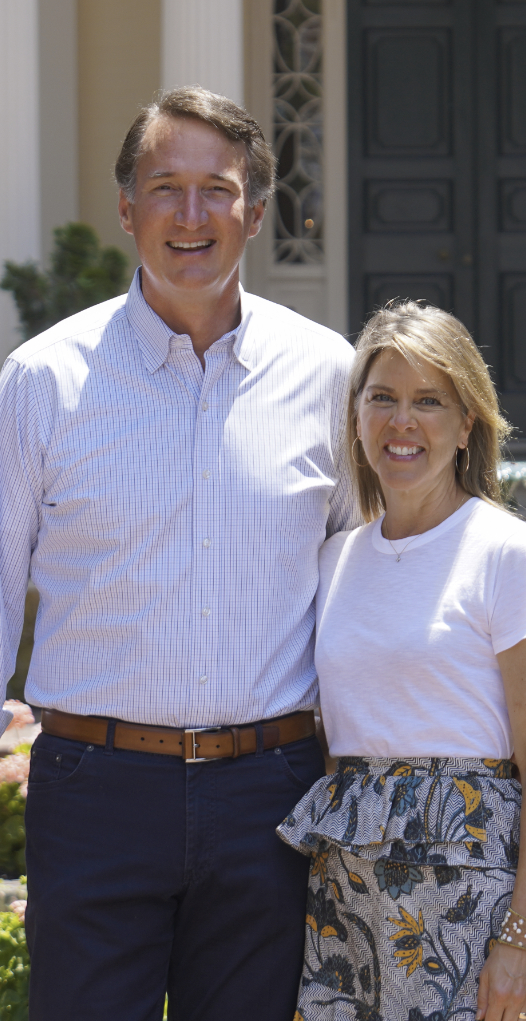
x=204 y=507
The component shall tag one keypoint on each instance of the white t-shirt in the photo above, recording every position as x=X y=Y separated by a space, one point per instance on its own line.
x=406 y=651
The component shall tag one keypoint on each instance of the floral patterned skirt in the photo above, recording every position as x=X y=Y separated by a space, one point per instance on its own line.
x=413 y=865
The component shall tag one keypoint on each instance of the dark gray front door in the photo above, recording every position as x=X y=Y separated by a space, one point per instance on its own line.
x=437 y=168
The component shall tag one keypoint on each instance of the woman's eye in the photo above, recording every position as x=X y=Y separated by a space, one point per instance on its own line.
x=382 y=398
x=429 y=401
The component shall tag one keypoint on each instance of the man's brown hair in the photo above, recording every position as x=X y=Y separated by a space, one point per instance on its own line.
x=218 y=111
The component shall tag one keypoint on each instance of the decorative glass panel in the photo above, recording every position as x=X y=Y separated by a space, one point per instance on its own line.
x=298 y=130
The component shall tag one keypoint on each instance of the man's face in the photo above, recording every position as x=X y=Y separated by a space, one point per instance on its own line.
x=190 y=215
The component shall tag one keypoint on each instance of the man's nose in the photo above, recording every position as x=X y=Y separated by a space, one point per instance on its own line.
x=191 y=212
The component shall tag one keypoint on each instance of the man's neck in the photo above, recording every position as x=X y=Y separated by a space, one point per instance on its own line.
x=204 y=318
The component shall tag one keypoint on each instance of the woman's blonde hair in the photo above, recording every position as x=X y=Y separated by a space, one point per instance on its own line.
x=422 y=333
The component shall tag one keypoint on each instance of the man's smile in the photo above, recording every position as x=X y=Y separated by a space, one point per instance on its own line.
x=188 y=245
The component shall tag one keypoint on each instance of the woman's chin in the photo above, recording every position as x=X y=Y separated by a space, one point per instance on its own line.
x=401 y=477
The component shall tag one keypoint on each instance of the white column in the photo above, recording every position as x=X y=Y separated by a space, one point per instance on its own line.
x=58 y=117
x=202 y=44
x=19 y=165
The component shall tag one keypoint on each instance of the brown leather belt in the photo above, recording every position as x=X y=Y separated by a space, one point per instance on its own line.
x=193 y=745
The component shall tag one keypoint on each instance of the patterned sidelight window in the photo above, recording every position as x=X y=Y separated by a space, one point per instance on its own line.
x=298 y=130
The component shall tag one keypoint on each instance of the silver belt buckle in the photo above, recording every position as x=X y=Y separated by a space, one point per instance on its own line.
x=201 y=730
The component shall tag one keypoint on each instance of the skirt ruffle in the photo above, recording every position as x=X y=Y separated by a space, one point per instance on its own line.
x=448 y=811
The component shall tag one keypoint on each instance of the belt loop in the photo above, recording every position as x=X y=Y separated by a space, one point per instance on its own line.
x=259 y=739
x=236 y=744
x=110 y=737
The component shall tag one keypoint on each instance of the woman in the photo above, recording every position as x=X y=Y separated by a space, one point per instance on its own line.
x=421 y=655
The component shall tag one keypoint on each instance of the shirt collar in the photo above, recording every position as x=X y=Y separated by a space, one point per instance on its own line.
x=154 y=335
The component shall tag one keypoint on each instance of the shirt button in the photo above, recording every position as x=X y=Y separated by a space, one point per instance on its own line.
x=205 y=405
x=207 y=543
x=206 y=611
x=203 y=679
x=206 y=473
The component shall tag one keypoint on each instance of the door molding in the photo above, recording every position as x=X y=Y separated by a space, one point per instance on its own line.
x=316 y=290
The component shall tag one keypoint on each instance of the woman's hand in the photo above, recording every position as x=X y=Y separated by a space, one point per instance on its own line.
x=502 y=986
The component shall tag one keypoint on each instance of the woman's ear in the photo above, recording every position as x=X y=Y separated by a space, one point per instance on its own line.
x=466 y=429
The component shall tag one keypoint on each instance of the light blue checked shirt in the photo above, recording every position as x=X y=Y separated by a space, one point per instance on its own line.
x=171 y=518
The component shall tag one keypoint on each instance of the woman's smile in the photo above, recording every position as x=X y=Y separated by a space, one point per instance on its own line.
x=402 y=451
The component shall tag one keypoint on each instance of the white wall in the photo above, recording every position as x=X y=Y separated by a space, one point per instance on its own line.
x=20 y=163
x=202 y=44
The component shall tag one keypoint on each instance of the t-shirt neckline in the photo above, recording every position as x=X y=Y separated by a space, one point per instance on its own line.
x=415 y=541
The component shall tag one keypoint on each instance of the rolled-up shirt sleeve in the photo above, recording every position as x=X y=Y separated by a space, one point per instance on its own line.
x=20 y=501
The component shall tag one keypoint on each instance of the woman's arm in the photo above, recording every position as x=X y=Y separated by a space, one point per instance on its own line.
x=502 y=989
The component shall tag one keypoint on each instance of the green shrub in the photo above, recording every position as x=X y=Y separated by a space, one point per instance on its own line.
x=81 y=274
x=14 y=771
x=14 y=968
x=12 y=830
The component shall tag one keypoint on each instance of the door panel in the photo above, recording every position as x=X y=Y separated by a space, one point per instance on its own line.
x=512 y=52
x=437 y=168
x=415 y=205
x=408 y=92
x=437 y=289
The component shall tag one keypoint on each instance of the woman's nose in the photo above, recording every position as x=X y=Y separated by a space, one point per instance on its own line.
x=403 y=418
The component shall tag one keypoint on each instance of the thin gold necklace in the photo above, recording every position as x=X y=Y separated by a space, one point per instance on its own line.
x=399 y=554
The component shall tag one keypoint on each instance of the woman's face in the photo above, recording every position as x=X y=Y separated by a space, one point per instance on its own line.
x=410 y=424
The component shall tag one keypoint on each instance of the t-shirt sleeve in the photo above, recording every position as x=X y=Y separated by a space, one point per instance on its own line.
x=508 y=617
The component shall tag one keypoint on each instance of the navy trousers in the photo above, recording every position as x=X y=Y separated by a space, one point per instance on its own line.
x=147 y=876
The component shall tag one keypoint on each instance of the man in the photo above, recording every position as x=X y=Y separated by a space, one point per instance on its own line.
x=171 y=463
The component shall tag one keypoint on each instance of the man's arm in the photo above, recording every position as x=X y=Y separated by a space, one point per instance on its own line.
x=344 y=512
x=20 y=498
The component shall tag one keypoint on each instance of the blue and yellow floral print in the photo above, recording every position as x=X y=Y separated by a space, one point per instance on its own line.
x=463 y=810
x=413 y=865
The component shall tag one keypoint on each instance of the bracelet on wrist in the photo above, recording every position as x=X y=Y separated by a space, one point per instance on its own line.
x=513 y=932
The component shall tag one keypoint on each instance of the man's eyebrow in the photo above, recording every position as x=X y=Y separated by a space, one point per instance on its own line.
x=173 y=173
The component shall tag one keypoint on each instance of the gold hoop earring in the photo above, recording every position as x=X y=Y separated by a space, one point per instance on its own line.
x=456 y=460
x=356 y=438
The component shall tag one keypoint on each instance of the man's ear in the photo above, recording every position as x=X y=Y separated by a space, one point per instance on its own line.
x=125 y=212
x=258 y=212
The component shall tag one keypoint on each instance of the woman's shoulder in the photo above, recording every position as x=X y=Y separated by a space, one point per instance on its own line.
x=495 y=526
x=340 y=545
